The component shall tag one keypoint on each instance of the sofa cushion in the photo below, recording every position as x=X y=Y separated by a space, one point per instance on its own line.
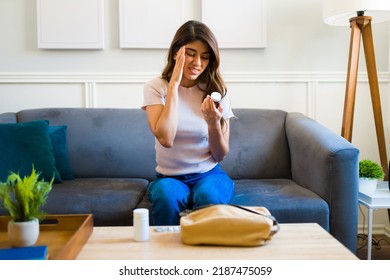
x=258 y=145
x=23 y=145
x=287 y=201
x=111 y=200
x=60 y=151
x=105 y=143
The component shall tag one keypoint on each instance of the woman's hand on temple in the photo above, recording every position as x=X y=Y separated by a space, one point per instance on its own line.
x=179 y=65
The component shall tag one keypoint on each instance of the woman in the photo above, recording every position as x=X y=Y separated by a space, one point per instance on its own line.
x=192 y=133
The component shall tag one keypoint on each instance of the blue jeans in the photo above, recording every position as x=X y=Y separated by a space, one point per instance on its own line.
x=172 y=194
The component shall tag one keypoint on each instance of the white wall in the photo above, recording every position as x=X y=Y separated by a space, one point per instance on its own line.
x=302 y=69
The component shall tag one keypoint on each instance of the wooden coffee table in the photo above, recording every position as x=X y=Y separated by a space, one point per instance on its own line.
x=293 y=241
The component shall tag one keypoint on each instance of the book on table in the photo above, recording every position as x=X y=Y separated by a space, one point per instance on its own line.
x=24 y=253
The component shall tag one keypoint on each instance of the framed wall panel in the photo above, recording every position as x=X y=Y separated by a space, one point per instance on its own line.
x=149 y=23
x=242 y=24
x=70 y=24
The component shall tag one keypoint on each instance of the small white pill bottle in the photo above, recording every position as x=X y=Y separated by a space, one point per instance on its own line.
x=141 y=224
x=216 y=97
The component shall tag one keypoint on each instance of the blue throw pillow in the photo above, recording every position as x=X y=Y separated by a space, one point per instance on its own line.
x=23 y=145
x=60 y=151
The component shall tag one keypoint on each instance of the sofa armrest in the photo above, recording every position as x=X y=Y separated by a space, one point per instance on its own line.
x=8 y=118
x=327 y=164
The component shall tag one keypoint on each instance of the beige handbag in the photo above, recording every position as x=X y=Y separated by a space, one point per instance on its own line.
x=231 y=225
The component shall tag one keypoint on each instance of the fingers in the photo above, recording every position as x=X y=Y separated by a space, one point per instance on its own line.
x=211 y=105
x=206 y=104
x=180 y=55
x=210 y=111
x=178 y=69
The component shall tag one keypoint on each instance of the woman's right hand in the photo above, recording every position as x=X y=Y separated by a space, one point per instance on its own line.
x=163 y=119
x=179 y=65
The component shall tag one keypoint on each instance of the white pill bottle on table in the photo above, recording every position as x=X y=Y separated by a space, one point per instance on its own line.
x=141 y=224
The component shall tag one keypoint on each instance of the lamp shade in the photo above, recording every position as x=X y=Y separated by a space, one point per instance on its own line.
x=338 y=12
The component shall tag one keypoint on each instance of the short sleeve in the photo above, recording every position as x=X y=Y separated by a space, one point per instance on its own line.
x=155 y=92
x=227 y=112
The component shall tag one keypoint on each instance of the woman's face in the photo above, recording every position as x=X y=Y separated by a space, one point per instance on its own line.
x=197 y=58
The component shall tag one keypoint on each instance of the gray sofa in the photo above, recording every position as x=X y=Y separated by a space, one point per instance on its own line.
x=301 y=171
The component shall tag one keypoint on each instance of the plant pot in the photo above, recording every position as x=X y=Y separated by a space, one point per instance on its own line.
x=367 y=185
x=23 y=234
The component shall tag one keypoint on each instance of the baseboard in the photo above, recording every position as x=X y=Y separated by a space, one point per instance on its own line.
x=387 y=231
x=376 y=229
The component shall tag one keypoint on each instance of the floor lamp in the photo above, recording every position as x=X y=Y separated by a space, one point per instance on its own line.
x=359 y=15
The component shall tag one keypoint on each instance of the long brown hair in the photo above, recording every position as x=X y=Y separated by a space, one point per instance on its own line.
x=211 y=77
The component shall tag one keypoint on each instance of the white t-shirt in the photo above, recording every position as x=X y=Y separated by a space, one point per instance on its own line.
x=190 y=152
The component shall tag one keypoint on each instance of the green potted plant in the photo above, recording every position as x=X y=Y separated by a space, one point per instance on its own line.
x=369 y=174
x=23 y=199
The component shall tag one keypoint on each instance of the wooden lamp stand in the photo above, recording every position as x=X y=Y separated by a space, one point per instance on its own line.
x=361 y=27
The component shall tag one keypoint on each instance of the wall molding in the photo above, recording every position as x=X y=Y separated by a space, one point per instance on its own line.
x=298 y=77
x=76 y=78
x=230 y=77
x=90 y=81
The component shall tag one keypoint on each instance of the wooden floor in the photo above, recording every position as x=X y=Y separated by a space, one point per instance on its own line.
x=380 y=247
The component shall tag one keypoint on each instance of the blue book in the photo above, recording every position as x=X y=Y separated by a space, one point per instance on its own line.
x=24 y=253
